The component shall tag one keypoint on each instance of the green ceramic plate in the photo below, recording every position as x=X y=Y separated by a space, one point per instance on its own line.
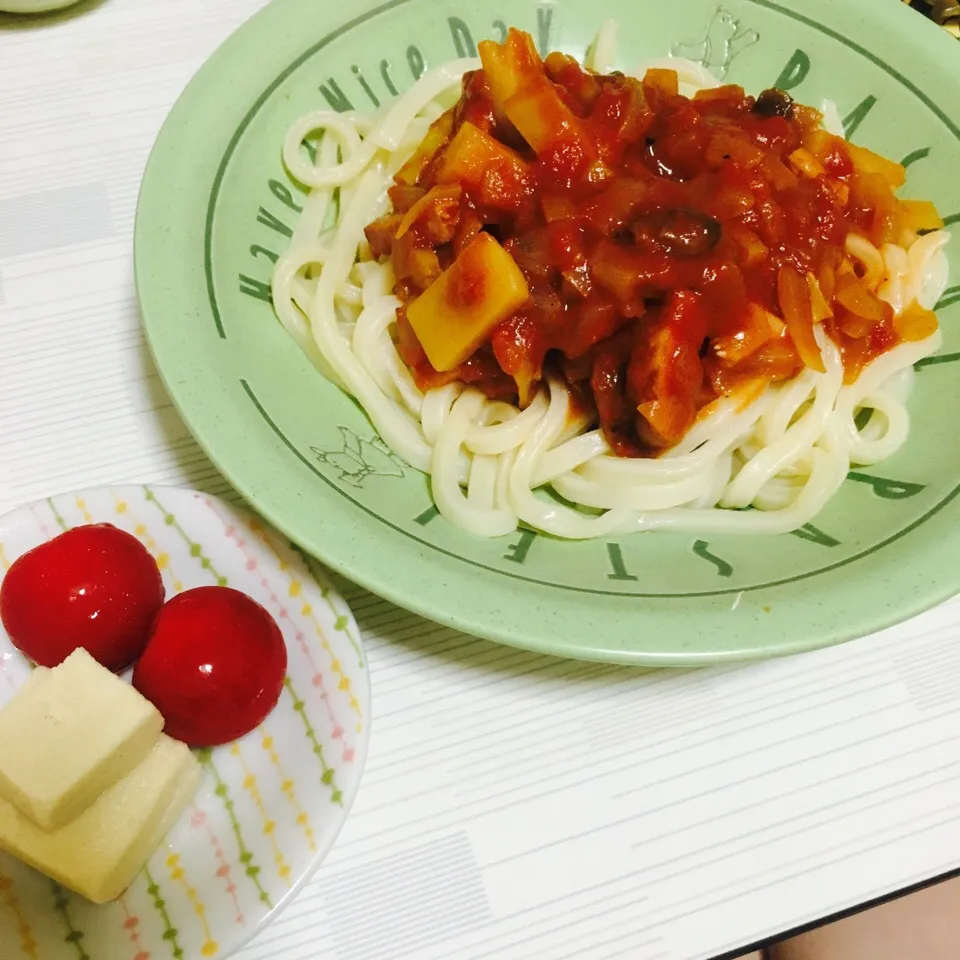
x=217 y=207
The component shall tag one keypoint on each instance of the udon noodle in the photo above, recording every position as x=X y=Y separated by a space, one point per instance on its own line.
x=493 y=465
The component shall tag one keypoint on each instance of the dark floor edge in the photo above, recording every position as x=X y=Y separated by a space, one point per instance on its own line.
x=768 y=942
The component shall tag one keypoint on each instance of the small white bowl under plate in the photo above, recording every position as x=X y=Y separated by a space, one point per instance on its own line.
x=270 y=806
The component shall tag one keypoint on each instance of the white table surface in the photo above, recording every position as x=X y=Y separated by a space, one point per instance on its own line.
x=513 y=806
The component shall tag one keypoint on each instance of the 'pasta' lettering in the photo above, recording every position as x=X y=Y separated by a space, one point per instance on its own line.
x=795 y=72
x=616 y=562
x=888 y=489
x=702 y=549
x=857 y=115
x=815 y=535
x=517 y=552
x=429 y=514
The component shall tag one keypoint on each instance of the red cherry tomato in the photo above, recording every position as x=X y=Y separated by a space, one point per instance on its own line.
x=94 y=586
x=214 y=665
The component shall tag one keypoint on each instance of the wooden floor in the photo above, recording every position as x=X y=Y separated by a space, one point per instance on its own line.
x=923 y=926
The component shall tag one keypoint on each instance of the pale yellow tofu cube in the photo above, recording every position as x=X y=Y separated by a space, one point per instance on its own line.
x=100 y=852
x=67 y=735
x=459 y=310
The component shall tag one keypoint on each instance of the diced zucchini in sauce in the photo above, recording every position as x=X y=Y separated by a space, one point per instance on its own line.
x=510 y=65
x=473 y=156
x=457 y=313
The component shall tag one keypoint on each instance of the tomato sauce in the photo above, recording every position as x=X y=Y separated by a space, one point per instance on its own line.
x=675 y=250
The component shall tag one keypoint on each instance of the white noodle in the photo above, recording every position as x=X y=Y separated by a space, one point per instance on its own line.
x=492 y=465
